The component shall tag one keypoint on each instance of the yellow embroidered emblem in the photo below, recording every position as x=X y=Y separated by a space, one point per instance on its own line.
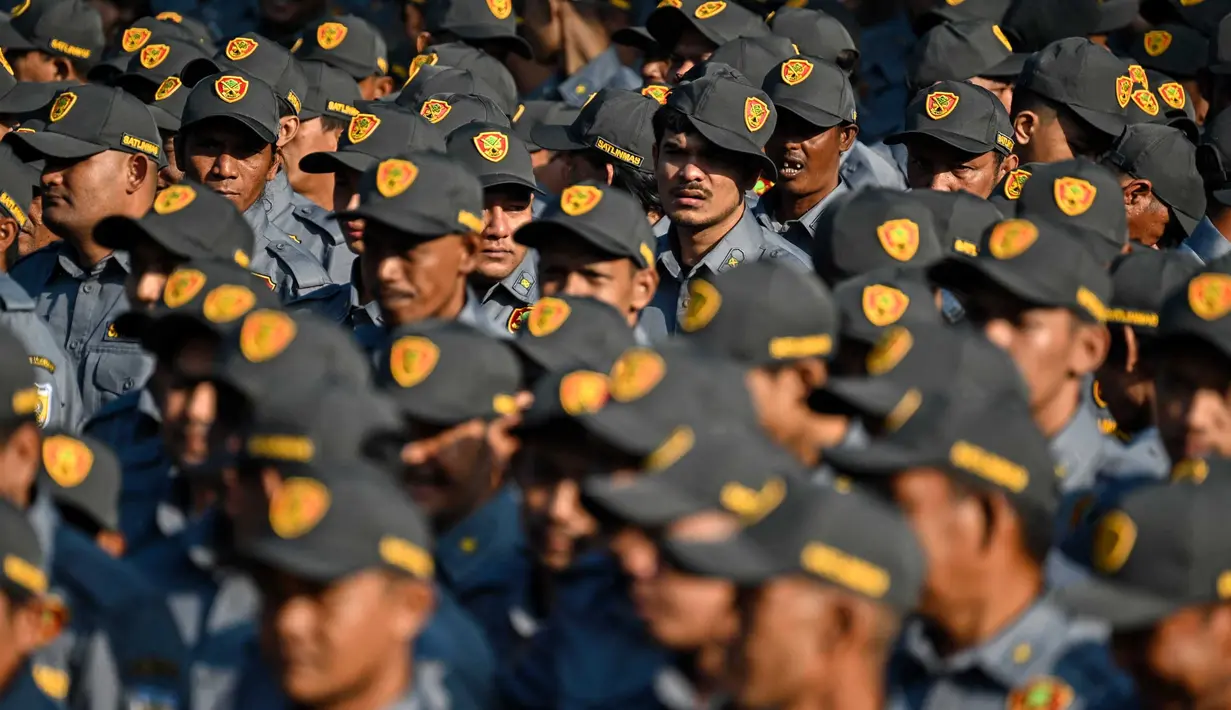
x=658 y=92
x=1124 y=90
x=1011 y=238
x=434 y=110
x=883 y=305
x=756 y=113
x=1173 y=95
x=638 y=371
x=1044 y=693
x=240 y=48
x=940 y=104
x=492 y=145
x=67 y=460
x=704 y=300
x=330 y=34
x=547 y=316
x=796 y=71
x=1138 y=75
x=1146 y=101
x=1015 y=182
x=265 y=334
x=231 y=88
x=297 y=506
x=708 y=9
x=500 y=8
x=62 y=105
x=418 y=63
x=168 y=86
x=154 y=54
x=182 y=286
x=228 y=302
x=899 y=238
x=1156 y=42
x=411 y=359
x=395 y=176
x=579 y=199
x=1074 y=196
x=362 y=126
x=1209 y=295
x=134 y=38
x=583 y=392
x=889 y=350
x=174 y=199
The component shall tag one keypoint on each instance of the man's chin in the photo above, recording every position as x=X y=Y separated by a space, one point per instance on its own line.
x=495 y=269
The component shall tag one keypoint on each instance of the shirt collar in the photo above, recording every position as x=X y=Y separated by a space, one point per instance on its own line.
x=66 y=256
x=730 y=251
x=279 y=193
x=1207 y=242
x=764 y=211
x=1078 y=448
x=522 y=282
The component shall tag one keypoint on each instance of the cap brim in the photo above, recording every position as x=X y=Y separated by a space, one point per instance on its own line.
x=398 y=219
x=335 y=161
x=289 y=556
x=1124 y=608
x=646 y=502
x=1111 y=124
x=872 y=396
x=496 y=179
x=164 y=119
x=556 y=137
x=954 y=271
x=876 y=460
x=736 y=559
x=625 y=429
x=542 y=233
x=965 y=144
x=729 y=140
x=488 y=33
x=263 y=132
x=122 y=232
x=26 y=97
x=58 y=145
x=638 y=37
x=809 y=114
x=11 y=39
x=1009 y=68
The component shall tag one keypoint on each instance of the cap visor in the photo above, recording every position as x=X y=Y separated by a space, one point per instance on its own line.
x=263 y=132
x=542 y=233
x=647 y=502
x=625 y=428
x=288 y=556
x=872 y=396
x=11 y=39
x=199 y=68
x=638 y=37
x=809 y=114
x=1124 y=608
x=398 y=219
x=875 y=460
x=58 y=145
x=123 y=232
x=332 y=162
x=496 y=179
x=736 y=559
x=490 y=33
x=556 y=137
x=734 y=142
x=1009 y=68
x=1111 y=124
x=28 y=97
x=965 y=144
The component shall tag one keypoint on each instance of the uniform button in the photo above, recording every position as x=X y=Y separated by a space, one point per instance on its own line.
x=128 y=384
x=75 y=345
x=88 y=288
x=279 y=247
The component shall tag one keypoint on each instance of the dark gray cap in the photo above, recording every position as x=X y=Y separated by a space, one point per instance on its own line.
x=1165 y=157
x=606 y=219
x=872 y=302
x=425 y=194
x=379 y=131
x=719 y=22
x=90 y=119
x=1079 y=193
x=729 y=113
x=1199 y=308
x=616 y=122
x=482 y=65
x=83 y=473
x=813 y=89
x=960 y=217
x=260 y=57
x=1141 y=282
x=957 y=51
x=1214 y=157
x=564 y=333
x=64 y=28
x=479 y=21
x=873 y=229
x=345 y=42
x=331 y=92
x=1173 y=49
x=754 y=57
x=238 y=96
x=1084 y=77
x=23 y=576
x=1033 y=24
x=816 y=34
x=963 y=116
x=493 y=153
x=448 y=112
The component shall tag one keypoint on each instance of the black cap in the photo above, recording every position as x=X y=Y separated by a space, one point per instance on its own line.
x=1009 y=190
x=1200 y=308
x=564 y=333
x=23 y=576
x=960 y=217
x=754 y=57
x=380 y=131
x=28 y=99
x=849 y=541
x=424 y=194
x=606 y=219
x=90 y=119
x=638 y=38
x=150 y=66
x=761 y=314
x=1203 y=16
x=616 y=122
x=1082 y=194
x=237 y=96
x=83 y=473
x=64 y=28
x=482 y=65
x=1177 y=110
x=1214 y=158
x=257 y=56
x=531 y=114
x=1116 y=15
x=963 y=116
x=874 y=229
x=441 y=80
x=717 y=20
x=1033 y=24
x=19 y=397
x=447 y=373
x=1141 y=281
x=330 y=93
x=816 y=91
x=872 y=302
x=1174 y=49
x=487 y=21
x=493 y=153
x=343 y=422
x=1165 y=157
x=1160 y=550
x=966 y=10
x=958 y=51
x=728 y=113
x=448 y=112
x=189 y=220
x=168 y=102
x=816 y=34
x=326 y=532
x=347 y=43
x=17 y=183
x=164 y=26
x=1043 y=263
x=1084 y=77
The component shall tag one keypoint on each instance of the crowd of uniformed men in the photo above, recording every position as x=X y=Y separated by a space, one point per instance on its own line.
x=596 y=355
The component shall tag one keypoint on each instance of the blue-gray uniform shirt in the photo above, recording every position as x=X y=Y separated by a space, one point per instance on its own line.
x=1206 y=242
x=59 y=399
x=80 y=307
x=22 y=692
x=1043 y=644
x=295 y=214
x=884 y=67
x=747 y=242
x=287 y=266
x=602 y=72
x=513 y=295
x=799 y=232
x=876 y=165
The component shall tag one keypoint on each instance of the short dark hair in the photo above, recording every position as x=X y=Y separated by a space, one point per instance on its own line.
x=333 y=123
x=1084 y=140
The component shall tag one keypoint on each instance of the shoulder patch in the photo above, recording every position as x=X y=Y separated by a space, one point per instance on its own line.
x=1042 y=693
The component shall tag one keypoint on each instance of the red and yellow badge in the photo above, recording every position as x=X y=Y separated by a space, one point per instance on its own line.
x=940 y=104
x=899 y=238
x=434 y=110
x=361 y=126
x=500 y=8
x=265 y=334
x=1011 y=238
x=547 y=316
x=240 y=48
x=1015 y=182
x=168 y=86
x=1138 y=75
x=182 y=286
x=62 y=105
x=517 y=319
x=227 y=303
x=174 y=199
x=583 y=392
x=67 y=460
x=231 y=88
x=395 y=176
x=1044 y=693
x=1124 y=90
x=297 y=506
x=579 y=199
x=893 y=346
x=154 y=54
x=330 y=34
x=419 y=62
x=706 y=10
x=662 y=3
x=884 y=305
x=1173 y=95
x=134 y=38
x=411 y=359
x=1074 y=196
x=796 y=71
x=658 y=92
x=704 y=300
x=756 y=113
x=635 y=374
x=1156 y=42
x=1145 y=101
x=170 y=17
x=492 y=145
x=1209 y=295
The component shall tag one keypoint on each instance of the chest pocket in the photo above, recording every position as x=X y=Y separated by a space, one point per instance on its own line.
x=115 y=368
x=299 y=272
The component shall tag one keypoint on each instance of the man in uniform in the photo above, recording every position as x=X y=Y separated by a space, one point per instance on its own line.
x=352 y=45
x=691 y=30
x=973 y=50
x=1164 y=198
x=91 y=505
x=53 y=41
x=23 y=589
x=710 y=140
x=103 y=151
x=875 y=229
x=1079 y=193
x=1214 y=162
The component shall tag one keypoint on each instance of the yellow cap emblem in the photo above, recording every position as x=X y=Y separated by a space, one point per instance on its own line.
x=227 y=303
x=411 y=359
x=1044 y=693
x=182 y=286
x=1209 y=295
x=1124 y=90
x=265 y=334
x=1015 y=182
x=174 y=199
x=708 y=9
x=638 y=371
x=658 y=92
x=1113 y=541
x=134 y=38
x=1011 y=238
x=547 y=316
x=899 y=238
x=67 y=460
x=889 y=350
x=1138 y=75
x=1173 y=95
x=297 y=506
x=62 y=105
x=1146 y=101
x=500 y=8
x=154 y=54
x=362 y=126
x=492 y=145
x=884 y=305
x=240 y=48
x=394 y=176
x=940 y=104
x=168 y=86
x=435 y=110
x=1000 y=36
x=579 y=199
x=418 y=63
x=231 y=88
x=330 y=34
x=1074 y=196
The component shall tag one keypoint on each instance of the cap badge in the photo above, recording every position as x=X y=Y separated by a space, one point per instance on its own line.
x=756 y=113
x=362 y=126
x=434 y=110
x=500 y=8
x=492 y=145
x=1209 y=295
x=297 y=506
x=62 y=105
x=394 y=176
x=411 y=359
x=884 y=305
x=579 y=199
x=4 y=62
x=750 y=504
x=1146 y=101
x=709 y=9
x=583 y=392
x=1011 y=238
x=1074 y=196
x=183 y=285
x=419 y=62
x=795 y=71
x=240 y=48
x=331 y=34
x=900 y=238
x=547 y=316
x=1045 y=693
x=68 y=461
x=231 y=88
x=664 y=3
x=517 y=318
x=134 y=38
x=265 y=334
x=1156 y=42
x=168 y=86
x=1113 y=541
x=170 y=17
x=1192 y=470
x=658 y=92
x=228 y=302
x=154 y=54
x=638 y=371
x=889 y=350
x=1124 y=90
x=703 y=303
x=940 y=104
x=1138 y=75
x=174 y=199
x=1000 y=36
x=1015 y=182
x=1173 y=95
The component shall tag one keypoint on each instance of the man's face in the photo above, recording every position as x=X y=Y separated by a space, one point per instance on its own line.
x=1192 y=410
x=1002 y=89
x=414 y=279
x=229 y=159
x=691 y=49
x=34 y=66
x=780 y=396
x=807 y=157
x=1174 y=662
x=939 y=166
x=151 y=264
x=699 y=184
x=189 y=408
x=505 y=209
x=572 y=270
x=20 y=630
x=171 y=174
x=346 y=197
x=558 y=527
x=312 y=137
x=1126 y=382
x=35 y=234
x=78 y=194
x=449 y=470
x=780 y=622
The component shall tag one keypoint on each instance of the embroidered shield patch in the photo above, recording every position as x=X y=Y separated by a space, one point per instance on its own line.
x=1044 y=693
x=1015 y=182
x=1209 y=295
x=330 y=34
x=231 y=88
x=182 y=286
x=795 y=71
x=168 y=86
x=703 y=303
x=492 y=145
x=1074 y=196
x=579 y=199
x=418 y=63
x=297 y=506
x=1124 y=90
x=638 y=371
x=240 y=48
x=62 y=105
x=708 y=9
x=756 y=113
x=228 y=302
x=899 y=238
x=1138 y=75
x=434 y=110
x=1011 y=238
x=583 y=392
x=361 y=127
x=394 y=176
x=1146 y=101
x=884 y=305
x=500 y=8
x=265 y=334
x=67 y=460
x=940 y=104
x=658 y=92
x=1156 y=42
x=154 y=54
x=1173 y=95
x=547 y=316
x=412 y=359
x=889 y=350
x=134 y=38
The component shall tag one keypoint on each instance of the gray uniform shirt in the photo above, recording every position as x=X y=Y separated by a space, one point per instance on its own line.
x=513 y=294
x=286 y=265
x=802 y=231
x=59 y=400
x=295 y=214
